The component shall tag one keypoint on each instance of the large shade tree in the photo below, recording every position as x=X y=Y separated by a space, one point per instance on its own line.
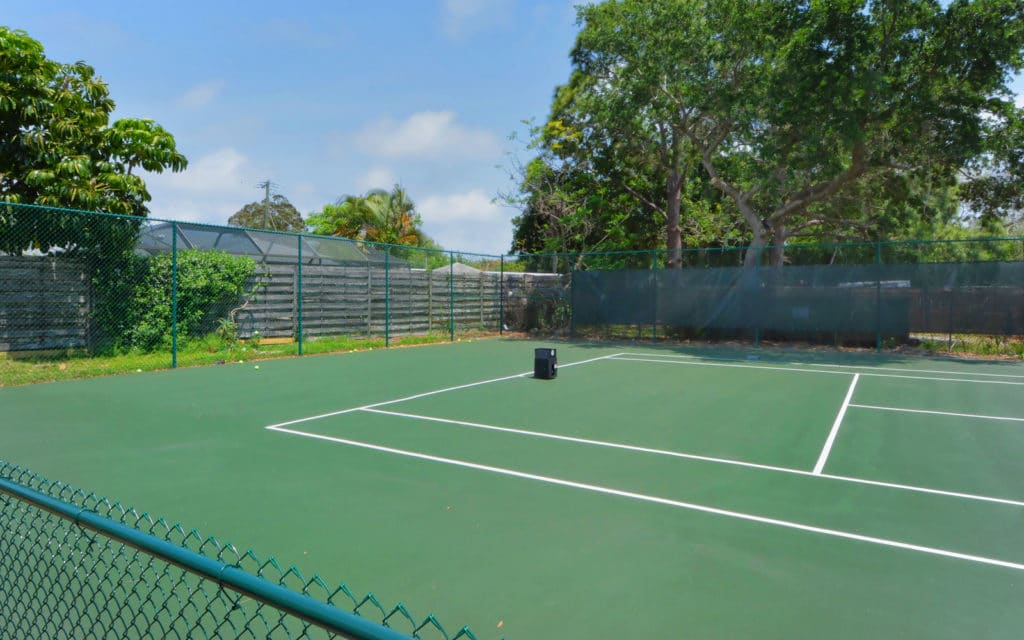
x=58 y=147
x=785 y=105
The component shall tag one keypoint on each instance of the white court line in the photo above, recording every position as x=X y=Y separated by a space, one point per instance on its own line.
x=842 y=373
x=699 y=458
x=835 y=426
x=937 y=413
x=836 y=366
x=428 y=393
x=668 y=502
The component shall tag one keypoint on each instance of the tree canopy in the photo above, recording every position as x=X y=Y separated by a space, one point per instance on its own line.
x=58 y=148
x=275 y=214
x=57 y=144
x=789 y=110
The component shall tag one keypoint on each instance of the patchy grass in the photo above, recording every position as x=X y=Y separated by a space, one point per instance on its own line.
x=973 y=345
x=29 y=369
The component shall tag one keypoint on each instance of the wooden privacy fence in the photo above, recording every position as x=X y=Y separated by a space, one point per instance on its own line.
x=44 y=303
x=372 y=300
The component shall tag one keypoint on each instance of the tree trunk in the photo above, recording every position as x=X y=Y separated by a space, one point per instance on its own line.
x=674 y=238
x=758 y=233
x=778 y=244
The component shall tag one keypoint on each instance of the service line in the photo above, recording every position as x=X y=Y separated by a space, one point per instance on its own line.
x=690 y=506
x=699 y=458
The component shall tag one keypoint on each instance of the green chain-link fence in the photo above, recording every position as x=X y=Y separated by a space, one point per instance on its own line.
x=178 y=292
x=73 y=565
x=96 y=284
x=885 y=293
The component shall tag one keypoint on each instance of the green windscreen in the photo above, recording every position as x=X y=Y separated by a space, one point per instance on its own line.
x=842 y=303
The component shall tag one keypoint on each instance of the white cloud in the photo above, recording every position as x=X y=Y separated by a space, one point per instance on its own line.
x=428 y=134
x=473 y=205
x=461 y=17
x=201 y=94
x=211 y=189
x=467 y=221
x=377 y=178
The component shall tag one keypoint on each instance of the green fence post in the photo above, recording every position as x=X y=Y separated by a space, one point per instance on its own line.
x=501 y=297
x=878 y=297
x=174 y=295
x=451 y=296
x=759 y=292
x=572 y=301
x=654 y=293
x=387 y=297
x=299 y=305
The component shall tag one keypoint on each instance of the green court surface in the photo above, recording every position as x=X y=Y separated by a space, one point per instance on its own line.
x=663 y=491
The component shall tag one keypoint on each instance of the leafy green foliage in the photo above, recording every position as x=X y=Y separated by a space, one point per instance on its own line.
x=57 y=145
x=785 y=109
x=379 y=216
x=276 y=214
x=210 y=284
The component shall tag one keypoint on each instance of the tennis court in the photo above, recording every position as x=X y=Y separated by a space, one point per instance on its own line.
x=647 y=490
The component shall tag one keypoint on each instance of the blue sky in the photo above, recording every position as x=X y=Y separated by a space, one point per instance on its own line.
x=326 y=98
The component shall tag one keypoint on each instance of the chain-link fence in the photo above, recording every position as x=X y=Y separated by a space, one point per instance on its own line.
x=877 y=294
x=89 y=284
x=74 y=565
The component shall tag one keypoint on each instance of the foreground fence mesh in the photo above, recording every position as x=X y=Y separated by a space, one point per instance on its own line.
x=73 y=565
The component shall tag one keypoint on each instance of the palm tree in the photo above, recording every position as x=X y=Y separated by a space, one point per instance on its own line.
x=380 y=216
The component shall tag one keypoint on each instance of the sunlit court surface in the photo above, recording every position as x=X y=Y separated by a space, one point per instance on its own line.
x=660 y=491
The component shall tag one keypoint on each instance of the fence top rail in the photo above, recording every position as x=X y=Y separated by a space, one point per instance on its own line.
x=86 y=510
x=456 y=254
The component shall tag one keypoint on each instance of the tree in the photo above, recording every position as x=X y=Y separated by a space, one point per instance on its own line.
x=57 y=145
x=274 y=213
x=784 y=105
x=379 y=216
x=576 y=199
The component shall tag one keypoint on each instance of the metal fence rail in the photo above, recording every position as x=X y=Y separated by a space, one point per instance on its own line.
x=73 y=565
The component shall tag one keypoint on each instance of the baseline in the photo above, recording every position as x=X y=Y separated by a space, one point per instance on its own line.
x=835 y=366
x=690 y=506
x=819 y=371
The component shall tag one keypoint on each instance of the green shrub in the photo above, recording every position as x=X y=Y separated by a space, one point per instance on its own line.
x=210 y=285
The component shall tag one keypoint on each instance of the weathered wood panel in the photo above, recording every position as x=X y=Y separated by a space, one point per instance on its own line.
x=44 y=303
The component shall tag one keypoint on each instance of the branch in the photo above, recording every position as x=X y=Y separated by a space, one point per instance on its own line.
x=649 y=203
x=823 y=190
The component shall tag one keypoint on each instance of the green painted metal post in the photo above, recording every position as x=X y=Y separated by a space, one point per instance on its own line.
x=299 y=302
x=757 y=282
x=501 y=297
x=654 y=295
x=387 y=297
x=572 y=303
x=174 y=295
x=878 y=297
x=451 y=296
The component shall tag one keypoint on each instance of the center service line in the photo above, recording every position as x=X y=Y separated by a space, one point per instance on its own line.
x=666 y=501
x=835 y=427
